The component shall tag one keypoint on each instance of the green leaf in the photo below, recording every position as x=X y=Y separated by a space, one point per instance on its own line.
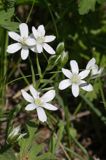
x=46 y=156
x=86 y=5
x=9 y=155
x=73 y=132
x=60 y=134
x=35 y=150
x=26 y=143
x=5 y=20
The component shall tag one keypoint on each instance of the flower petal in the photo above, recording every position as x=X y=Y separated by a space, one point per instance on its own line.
x=33 y=91
x=49 y=38
x=14 y=36
x=35 y=32
x=23 y=30
x=24 y=53
x=48 y=49
x=94 y=70
x=33 y=49
x=41 y=30
x=39 y=48
x=88 y=87
x=41 y=114
x=48 y=96
x=74 y=66
x=84 y=74
x=75 y=90
x=91 y=63
x=30 y=107
x=64 y=84
x=30 y=41
x=14 y=48
x=49 y=106
x=26 y=96
x=83 y=83
x=67 y=73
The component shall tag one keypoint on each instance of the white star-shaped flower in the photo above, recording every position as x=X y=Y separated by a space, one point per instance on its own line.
x=41 y=40
x=23 y=41
x=39 y=103
x=75 y=79
x=93 y=67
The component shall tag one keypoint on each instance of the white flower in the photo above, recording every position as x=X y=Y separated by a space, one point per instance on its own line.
x=39 y=103
x=41 y=40
x=75 y=79
x=94 y=67
x=23 y=41
x=14 y=132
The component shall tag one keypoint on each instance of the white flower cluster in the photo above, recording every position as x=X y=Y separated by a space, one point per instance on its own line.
x=37 y=41
x=75 y=79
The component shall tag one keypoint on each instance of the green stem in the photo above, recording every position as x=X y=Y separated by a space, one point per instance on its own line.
x=3 y=67
x=30 y=11
x=102 y=94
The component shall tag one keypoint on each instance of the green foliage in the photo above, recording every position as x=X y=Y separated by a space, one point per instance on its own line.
x=5 y=20
x=30 y=149
x=81 y=37
x=86 y=5
x=8 y=155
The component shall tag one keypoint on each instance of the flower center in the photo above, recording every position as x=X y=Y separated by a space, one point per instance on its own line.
x=40 y=39
x=23 y=41
x=38 y=102
x=75 y=78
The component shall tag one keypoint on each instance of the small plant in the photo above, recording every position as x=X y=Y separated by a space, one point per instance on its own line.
x=32 y=83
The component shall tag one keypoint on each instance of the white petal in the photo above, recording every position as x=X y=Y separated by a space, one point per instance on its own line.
x=23 y=30
x=39 y=48
x=14 y=48
x=75 y=90
x=48 y=96
x=33 y=91
x=49 y=49
x=94 y=70
x=64 y=84
x=49 y=107
x=74 y=66
x=30 y=107
x=35 y=32
x=88 y=87
x=49 y=38
x=30 y=41
x=33 y=49
x=41 y=114
x=91 y=63
x=14 y=36
x=41 y=30
x=67 y=73
x=84 y=74
x=83 y=83
x=24 y=53
x=100 y=70
x=26 y=96
x=14 y=132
